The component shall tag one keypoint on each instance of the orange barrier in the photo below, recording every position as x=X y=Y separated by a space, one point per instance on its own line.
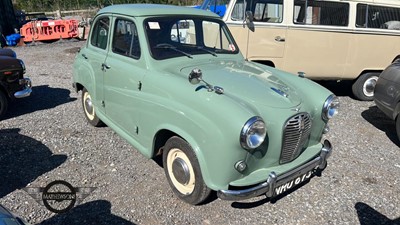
x=47 y=30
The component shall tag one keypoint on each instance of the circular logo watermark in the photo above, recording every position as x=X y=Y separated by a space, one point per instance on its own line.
x=59 y=196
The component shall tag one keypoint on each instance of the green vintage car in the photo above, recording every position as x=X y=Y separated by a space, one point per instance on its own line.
x=172 y=82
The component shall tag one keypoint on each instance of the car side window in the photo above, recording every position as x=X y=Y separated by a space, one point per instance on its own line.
x=100 y=33
x=125 y=39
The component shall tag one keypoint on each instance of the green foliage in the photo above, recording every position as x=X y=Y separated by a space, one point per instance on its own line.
x=52 y=5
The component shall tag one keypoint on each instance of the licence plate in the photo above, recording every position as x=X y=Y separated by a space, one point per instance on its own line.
x=292 y=183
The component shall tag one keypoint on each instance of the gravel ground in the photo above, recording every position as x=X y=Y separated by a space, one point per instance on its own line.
x=45 y=137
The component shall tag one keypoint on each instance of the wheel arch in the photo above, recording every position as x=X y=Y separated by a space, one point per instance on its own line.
x=368 y=71
x=265 y=62
x=78 y=87
x=162 y=136
x=396 y=58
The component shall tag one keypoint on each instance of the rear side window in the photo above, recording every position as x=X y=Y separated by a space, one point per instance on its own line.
x=309 y=12
x=100 y=33
x=125 y=39
x=378 y=17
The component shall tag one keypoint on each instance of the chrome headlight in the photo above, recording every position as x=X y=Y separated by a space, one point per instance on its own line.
x=253 y=133
x=330 y=108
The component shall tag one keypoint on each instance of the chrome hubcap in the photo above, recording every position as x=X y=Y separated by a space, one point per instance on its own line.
x=180 y=171
x=369 y=86
x=89 y=109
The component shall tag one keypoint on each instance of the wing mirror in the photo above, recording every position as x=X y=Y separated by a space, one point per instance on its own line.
x=249 y=20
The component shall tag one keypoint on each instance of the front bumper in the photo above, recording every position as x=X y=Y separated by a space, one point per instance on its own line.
x=27 y=88
x=273 y=181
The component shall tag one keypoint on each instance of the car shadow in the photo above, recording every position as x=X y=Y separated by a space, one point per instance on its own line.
x=42 y=97
x=95 y=212
x=342 y=88
x=369 y=216
x=22 y=160
x=377 y=118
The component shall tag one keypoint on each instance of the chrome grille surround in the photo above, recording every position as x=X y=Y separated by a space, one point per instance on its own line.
x=295 y=135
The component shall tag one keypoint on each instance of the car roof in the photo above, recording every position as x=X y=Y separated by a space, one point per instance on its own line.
x=155 y=10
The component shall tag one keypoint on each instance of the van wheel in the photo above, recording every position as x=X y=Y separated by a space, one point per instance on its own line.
x=183 y=172
x=3 y=104
x=89 y=109
x=363 y=87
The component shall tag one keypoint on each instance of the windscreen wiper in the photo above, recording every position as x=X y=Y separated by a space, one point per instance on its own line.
x=206 y=50
x=168 y=46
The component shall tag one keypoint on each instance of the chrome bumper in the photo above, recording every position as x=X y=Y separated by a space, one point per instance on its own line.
x=27 y=88
x=273 y=181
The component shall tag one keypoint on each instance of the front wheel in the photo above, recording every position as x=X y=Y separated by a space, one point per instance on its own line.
x=183 y=171
x=89 y=109
x=363 y=87
x=3 y=104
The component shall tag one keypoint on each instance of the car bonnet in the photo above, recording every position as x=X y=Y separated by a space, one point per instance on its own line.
x=249 y=82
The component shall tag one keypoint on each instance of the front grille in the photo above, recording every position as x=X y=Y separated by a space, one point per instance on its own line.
x=295 y=135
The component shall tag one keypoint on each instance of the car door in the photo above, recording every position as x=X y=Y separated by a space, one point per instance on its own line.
x=95 y=55
x=122 y=80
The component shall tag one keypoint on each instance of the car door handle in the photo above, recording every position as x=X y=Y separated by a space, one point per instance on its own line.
x=279 y=39
x=84 y=56
x=105 y=66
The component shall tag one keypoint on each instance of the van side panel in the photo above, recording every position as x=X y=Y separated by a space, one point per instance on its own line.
x=307 y=49
x=371 y=52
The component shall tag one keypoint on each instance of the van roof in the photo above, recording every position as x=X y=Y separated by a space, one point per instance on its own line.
x=383 y=2
x=155 y=9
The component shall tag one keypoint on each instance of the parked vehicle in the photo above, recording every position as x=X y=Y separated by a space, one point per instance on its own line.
x=12 y=82
x=387 y=93
x=325 y=39
x=8 y=218
x=220 y=122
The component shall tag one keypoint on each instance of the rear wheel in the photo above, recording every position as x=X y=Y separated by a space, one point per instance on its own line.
x=363 y=87
x=89 y=109
x=183 y=172
x=3 y=104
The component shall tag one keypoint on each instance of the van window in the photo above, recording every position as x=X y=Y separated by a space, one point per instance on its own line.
x=268 y=11
x=309 y=12
x=379 y=17
x=238 y=11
